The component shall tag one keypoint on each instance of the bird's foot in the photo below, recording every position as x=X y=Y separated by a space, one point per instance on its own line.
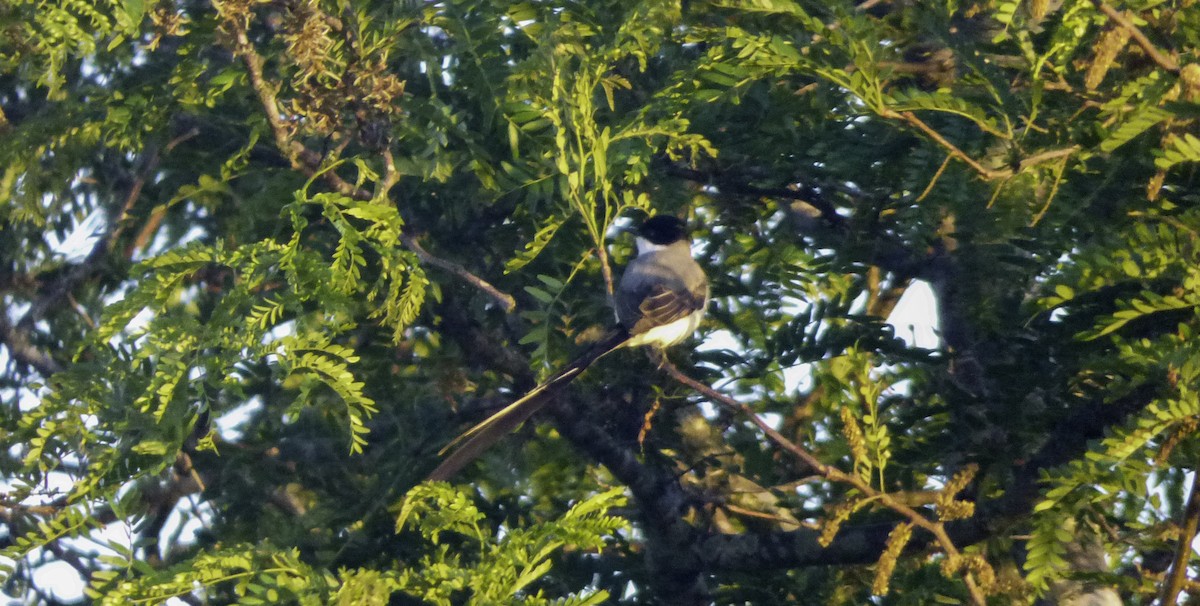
x=658 y=356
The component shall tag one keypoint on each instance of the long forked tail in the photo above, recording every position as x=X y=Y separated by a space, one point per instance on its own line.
x=473 y=442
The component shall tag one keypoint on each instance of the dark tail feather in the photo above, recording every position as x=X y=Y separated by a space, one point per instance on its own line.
x=473 y=442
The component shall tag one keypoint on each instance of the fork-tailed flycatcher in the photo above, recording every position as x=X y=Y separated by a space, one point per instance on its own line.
x=660 y=300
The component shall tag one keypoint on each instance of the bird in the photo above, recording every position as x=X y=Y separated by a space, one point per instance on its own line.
x=660 y=300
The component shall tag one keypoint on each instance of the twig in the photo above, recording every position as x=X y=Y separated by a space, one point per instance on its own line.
x=834 y=474
x=781 y=521
x=505 y=300
x=941 y=169
x=266 y=96
x=985 y=172
x=912 y=119
x=1045 y=156
x=1163 y=60
x=1050 y=197
x=1183 y=549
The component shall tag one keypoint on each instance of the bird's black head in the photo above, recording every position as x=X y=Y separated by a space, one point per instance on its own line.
x=663 y=230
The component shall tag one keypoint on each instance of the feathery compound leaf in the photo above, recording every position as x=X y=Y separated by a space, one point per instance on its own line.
x=1185 y=148
x=407 y=285
x=328 y=363
x=910 y=100
x=1137 y=123
x=1046 y=551
x=265 y=314
x=70 y=521
x=1147 y=304
x=262 y=574
x=534 y=247
x=515 y=559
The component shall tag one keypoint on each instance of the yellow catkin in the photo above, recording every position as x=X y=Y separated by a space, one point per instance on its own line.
x=1107 y=47
x=1189 y=77
x=833 y=522
x=1038 y=8
x=897 y=539
x=854 y=436
x=948 y=507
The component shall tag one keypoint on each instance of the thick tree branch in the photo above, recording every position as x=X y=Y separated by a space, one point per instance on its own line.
x=1183 y=548
x=662 y=502
x=24 y=352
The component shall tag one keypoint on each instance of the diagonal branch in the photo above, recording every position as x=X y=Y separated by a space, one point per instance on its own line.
x=861 y=544
x=1162 y=59
x=986 y=173
x=1183 y=548
x=24 y=352
x=116 y=224
x=17 y=337
x=506 y=301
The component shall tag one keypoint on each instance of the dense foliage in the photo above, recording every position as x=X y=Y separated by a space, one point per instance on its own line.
x=261 y=259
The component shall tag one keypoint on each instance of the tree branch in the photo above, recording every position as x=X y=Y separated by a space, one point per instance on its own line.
x=72 y=559
x=985 y=172
x=506 y=301
x=1183 y=548
x=1162 y=59
x=24 y=352
x=663 y=504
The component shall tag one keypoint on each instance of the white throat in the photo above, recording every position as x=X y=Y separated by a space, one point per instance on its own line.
x=645 y=246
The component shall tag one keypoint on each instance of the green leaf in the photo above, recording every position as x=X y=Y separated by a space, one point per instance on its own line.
x=1137 y=123
x=540 y=294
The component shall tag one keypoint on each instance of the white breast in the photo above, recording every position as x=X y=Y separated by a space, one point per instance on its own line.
x=668 y=334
